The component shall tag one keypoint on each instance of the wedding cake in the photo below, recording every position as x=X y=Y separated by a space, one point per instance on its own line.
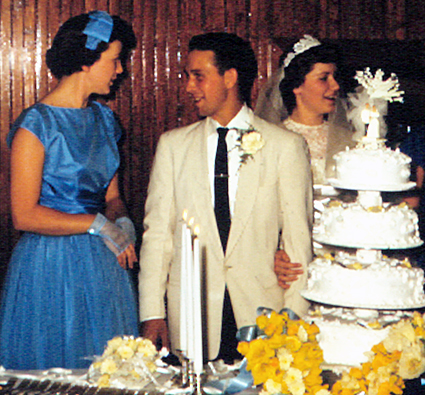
x=357 y=292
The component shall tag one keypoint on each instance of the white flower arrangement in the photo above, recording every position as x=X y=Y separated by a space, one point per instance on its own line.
x=249 y=143
x=378 y=88
x=127 y=362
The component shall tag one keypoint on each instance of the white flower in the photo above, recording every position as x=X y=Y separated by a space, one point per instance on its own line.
x=323 y=392
x=401 y=336
x=285 y=358
x=412 y=362
x=302 y=334
x=272 y=387
x=293 y=375
x=250 y=142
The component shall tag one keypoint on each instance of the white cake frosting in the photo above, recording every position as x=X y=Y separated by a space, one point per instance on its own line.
x=381 y=284
x=348 y=335
x=372 y=166
x=380 y=227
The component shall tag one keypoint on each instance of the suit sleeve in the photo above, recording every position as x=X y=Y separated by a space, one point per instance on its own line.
x=296 y=210
x=157 y=244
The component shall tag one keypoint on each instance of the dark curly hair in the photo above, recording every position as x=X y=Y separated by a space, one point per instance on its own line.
x=231 y=52
x=69 y=53
x=300 y=66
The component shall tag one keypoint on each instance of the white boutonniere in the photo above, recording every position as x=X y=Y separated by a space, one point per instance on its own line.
x=250 y=142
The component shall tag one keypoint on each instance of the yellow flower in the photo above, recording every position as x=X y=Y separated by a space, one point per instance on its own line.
x=243 y=348
x=313 y=378
x=418 y=319
x=262 y=371
x=146 y=348
x=292 y=328
x=292 y=343
x=274 y=325
x=108 y=366
x=103 y=381
x=259 y=352
x=262 y=321
x=125 y=351
x=113 y=344
x=277 y=341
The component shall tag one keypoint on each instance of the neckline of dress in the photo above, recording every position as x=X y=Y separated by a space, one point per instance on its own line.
x=88 y=107
x=290 y=124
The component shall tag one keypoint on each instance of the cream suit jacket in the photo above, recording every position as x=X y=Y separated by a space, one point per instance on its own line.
x=273 y=208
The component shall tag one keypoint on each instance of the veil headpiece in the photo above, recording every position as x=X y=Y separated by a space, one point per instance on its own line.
x=270 y=104
x=301 y=46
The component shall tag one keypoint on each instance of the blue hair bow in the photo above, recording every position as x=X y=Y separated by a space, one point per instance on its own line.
x=98 y=29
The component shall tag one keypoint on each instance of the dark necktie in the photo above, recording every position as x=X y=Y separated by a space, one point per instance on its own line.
x=221 y=188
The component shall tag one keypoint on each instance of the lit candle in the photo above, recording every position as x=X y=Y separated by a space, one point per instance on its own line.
x=183 y=288
x=197 y=309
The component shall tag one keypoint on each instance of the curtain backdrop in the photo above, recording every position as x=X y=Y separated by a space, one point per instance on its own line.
x=153 y=98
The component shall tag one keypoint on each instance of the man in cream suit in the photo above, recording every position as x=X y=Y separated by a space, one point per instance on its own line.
x=270 y=202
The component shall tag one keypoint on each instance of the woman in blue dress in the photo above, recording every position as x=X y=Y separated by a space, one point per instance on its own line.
x=67 y=291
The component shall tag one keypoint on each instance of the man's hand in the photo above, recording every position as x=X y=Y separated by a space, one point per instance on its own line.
x=286 y=271
x=156 y=331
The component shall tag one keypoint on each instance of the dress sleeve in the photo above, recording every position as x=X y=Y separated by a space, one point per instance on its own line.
x=30 y=119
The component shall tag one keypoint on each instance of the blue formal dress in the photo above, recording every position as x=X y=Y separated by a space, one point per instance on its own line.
x=66 y=296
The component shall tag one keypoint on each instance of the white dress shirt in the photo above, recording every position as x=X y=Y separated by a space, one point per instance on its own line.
x=240 y=121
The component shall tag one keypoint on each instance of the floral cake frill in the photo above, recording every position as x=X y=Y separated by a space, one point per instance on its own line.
x=286 y=359
x=127 y=362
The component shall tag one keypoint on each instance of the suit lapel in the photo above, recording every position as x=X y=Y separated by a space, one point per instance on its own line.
x=246 y=195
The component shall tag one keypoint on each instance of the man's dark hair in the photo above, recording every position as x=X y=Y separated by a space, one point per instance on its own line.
x=69 y=54
x=300 y=66
x=231 y=52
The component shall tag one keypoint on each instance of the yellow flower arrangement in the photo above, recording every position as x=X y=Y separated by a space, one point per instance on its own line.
x=126 y=362
x=399 y=357
x=286 y=360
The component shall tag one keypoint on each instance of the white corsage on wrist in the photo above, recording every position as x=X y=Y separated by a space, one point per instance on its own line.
x=250 y=142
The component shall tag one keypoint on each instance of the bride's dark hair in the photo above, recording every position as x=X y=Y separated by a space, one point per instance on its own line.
x=300 y=66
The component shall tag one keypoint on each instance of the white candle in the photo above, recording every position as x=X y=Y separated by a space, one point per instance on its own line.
x=189 y=293
x=197 y=307
x=183 y=288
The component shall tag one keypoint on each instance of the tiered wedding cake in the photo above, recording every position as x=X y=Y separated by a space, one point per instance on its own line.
x=358 y=292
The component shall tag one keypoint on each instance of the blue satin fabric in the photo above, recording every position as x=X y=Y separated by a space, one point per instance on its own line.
x=66 y=296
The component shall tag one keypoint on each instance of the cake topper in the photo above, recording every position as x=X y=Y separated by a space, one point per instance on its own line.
x=369 y=103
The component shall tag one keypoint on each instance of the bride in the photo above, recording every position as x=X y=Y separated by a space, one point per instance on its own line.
x=302 y=96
